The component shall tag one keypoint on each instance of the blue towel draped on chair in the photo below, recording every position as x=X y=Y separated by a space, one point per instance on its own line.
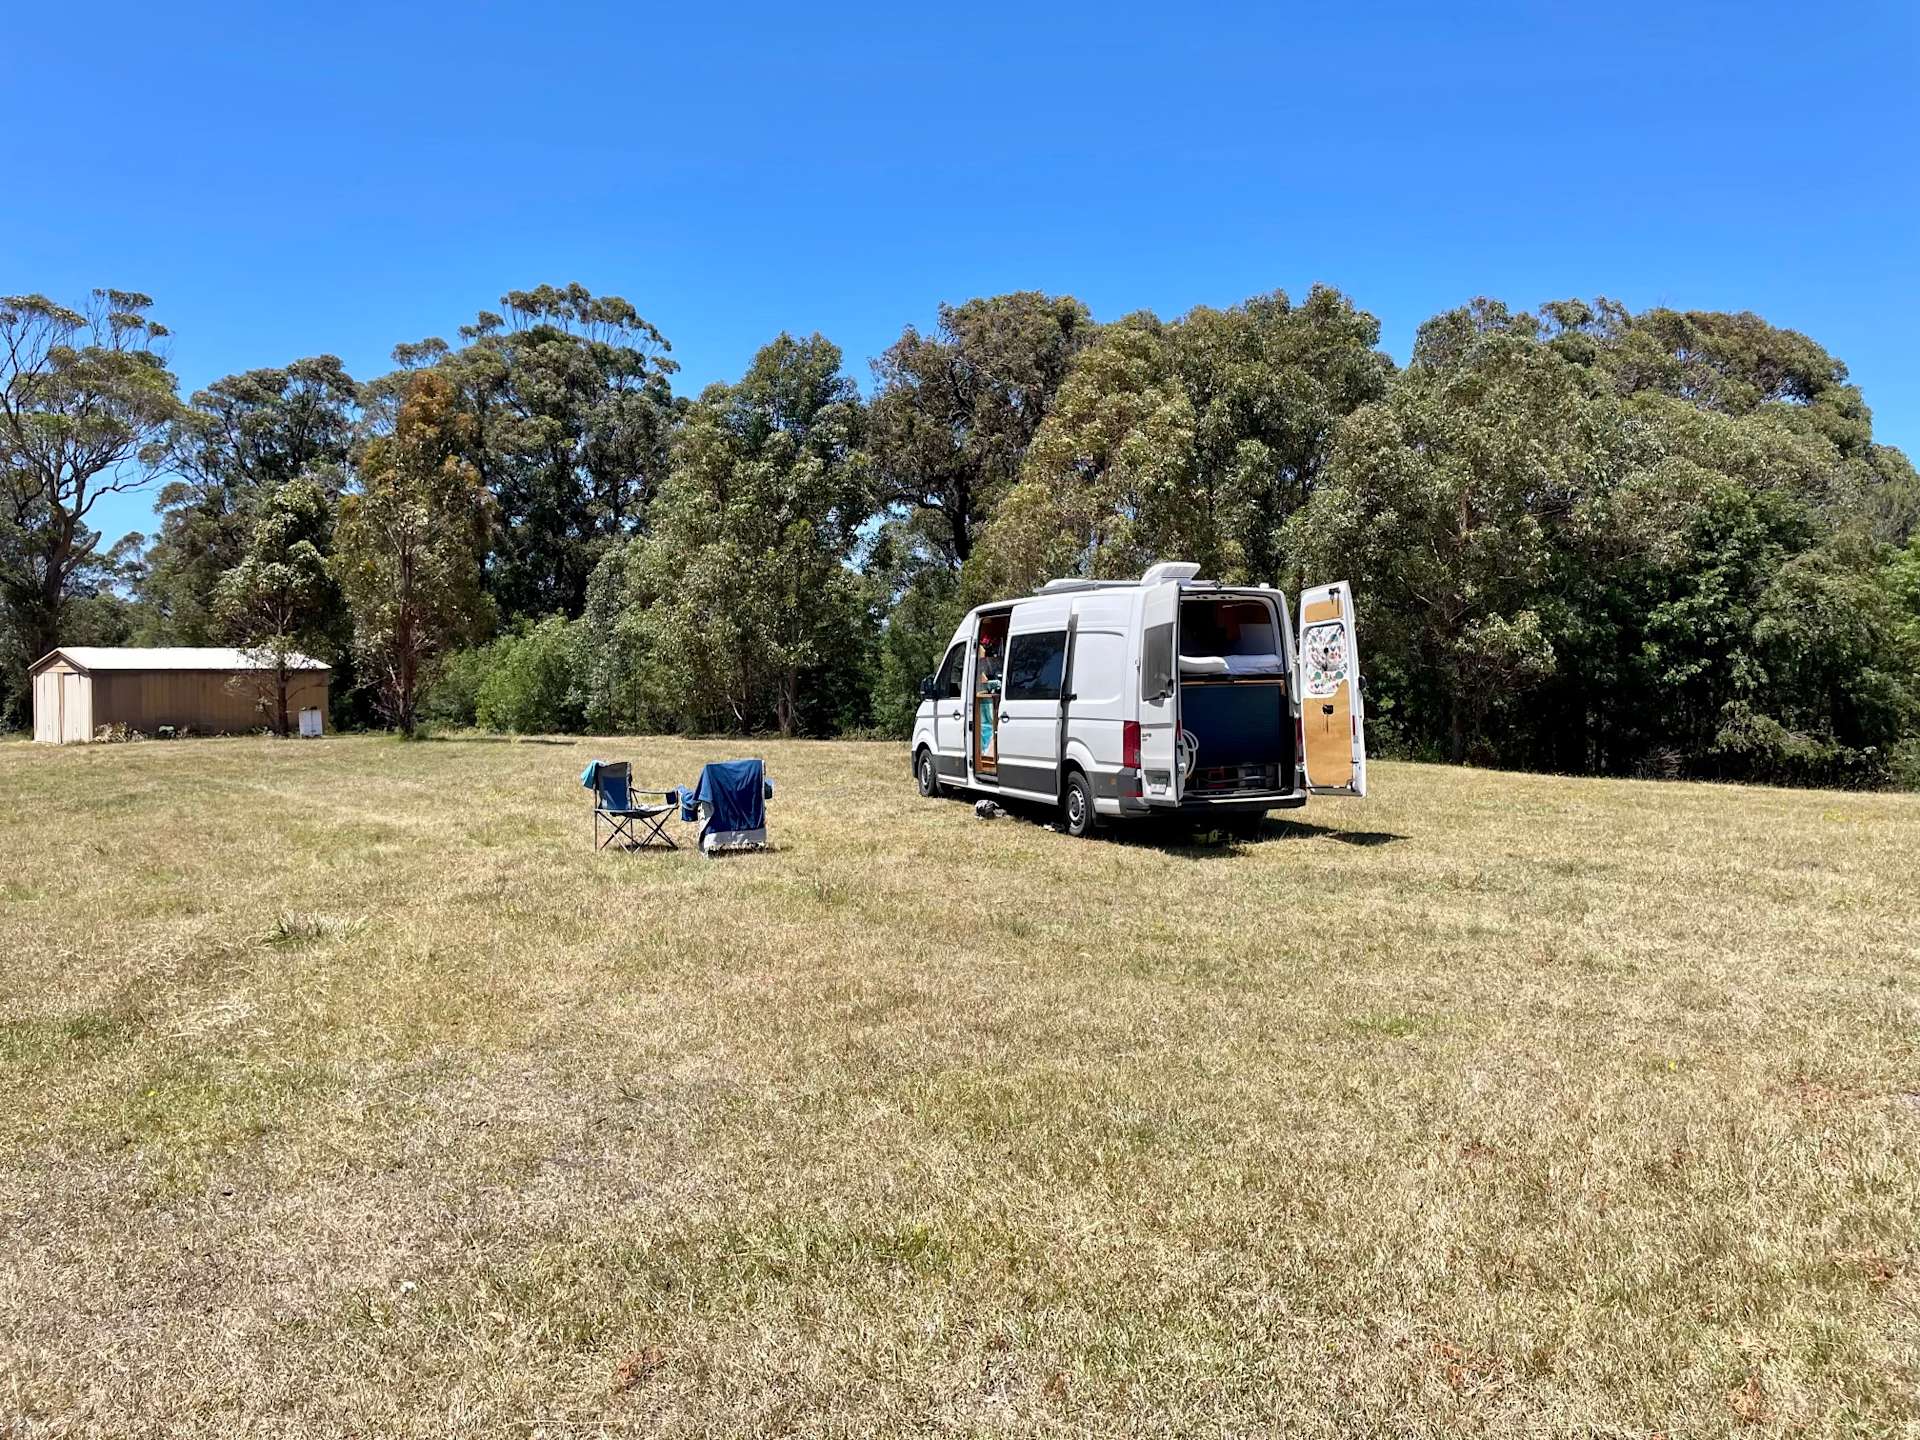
x=731 y=798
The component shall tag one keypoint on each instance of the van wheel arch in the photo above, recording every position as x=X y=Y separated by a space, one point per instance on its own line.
x=925 y=775
x=1077 y=811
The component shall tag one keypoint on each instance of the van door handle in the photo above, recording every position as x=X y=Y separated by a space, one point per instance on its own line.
x=954 y=716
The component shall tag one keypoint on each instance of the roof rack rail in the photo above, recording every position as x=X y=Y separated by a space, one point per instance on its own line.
x=1061 y=586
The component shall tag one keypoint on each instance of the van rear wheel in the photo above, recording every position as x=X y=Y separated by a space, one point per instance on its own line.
x=1076 y=807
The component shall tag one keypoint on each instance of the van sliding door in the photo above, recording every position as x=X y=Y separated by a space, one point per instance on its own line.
x=1030 y=698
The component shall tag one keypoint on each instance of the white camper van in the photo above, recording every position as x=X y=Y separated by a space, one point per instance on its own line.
x=1162 y=695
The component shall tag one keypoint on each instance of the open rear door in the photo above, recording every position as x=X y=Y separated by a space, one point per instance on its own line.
x=1333 y=718
x=1160 y=777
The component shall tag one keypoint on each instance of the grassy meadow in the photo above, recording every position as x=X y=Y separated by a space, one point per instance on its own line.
x=345 y=1091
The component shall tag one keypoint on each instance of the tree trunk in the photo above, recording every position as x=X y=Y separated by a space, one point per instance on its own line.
x=403 y=682
x=789 y=702
x=280 y=726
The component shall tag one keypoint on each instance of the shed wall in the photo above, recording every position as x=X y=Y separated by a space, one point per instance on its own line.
x=207 y=701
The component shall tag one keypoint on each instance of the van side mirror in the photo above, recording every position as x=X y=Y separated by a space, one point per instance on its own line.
x=926 y=688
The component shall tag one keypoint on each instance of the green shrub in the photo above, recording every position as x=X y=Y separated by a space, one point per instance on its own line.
x=454 y=696
x=527 y=686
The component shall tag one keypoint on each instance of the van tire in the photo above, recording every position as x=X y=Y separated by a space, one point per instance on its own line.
x=925 y=775
x=1076 y=806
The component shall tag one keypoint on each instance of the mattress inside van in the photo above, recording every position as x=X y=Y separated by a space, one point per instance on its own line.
x=1198 y=665
x=1230 y=637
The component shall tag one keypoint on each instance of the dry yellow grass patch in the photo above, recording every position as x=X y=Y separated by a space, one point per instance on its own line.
x=345 y=1091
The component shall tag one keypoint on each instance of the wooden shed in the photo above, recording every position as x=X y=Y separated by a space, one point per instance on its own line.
x=80 y=689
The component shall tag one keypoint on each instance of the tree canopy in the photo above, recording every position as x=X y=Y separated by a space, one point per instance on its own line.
x=85 y=401
x=1663 y=542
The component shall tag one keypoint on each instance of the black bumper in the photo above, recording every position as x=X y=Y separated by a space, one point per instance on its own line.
x=1202 y=805
x=1242 y=804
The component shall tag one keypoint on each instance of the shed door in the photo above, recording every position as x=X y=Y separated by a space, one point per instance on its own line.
x=1333 y=718
x=76 y=709
x=46 y=707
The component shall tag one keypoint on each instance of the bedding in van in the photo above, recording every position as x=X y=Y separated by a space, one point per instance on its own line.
x=1232 y=665
x=1229 y=642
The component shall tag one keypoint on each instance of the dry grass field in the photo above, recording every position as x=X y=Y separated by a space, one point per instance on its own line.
x=345 y=1091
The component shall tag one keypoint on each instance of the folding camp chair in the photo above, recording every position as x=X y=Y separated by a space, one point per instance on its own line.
x=729 y=802
x=635 y=826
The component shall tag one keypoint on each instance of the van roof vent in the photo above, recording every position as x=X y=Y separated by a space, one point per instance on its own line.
x=1169 y=570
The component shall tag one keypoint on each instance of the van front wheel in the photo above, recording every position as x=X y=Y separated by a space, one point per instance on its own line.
x=924 y=773
x=1077 y=807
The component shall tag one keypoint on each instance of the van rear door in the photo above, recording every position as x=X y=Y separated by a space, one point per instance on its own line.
x=1160 y=777
x=1333 y=720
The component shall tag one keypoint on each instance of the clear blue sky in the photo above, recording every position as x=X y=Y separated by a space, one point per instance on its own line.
x=293 y=180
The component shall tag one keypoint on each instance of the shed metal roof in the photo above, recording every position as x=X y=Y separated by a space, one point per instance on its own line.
x=167 y=657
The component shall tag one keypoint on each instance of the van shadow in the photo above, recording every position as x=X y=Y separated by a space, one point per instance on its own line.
x=1193 y=840
x=1301 y=829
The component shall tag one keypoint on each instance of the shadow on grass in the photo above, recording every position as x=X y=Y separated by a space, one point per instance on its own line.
x=1194 y=839
x=1300 y=829
x=493 y=740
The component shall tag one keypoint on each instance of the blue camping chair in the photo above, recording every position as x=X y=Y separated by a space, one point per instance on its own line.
x=635 y=826
x=730 y=800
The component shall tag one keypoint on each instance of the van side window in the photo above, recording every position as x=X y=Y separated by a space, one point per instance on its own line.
x=1156 y=661
x=1034 y=664
x=946 y=685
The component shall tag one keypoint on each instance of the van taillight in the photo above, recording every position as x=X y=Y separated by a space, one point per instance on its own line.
x=1130 y=744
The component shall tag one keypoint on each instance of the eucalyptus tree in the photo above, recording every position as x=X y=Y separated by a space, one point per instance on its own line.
x=410 y=545
x=955 y=410
x=278 y=602
x=86 y=399
x=740 y=605
x=571 y=395
x=1195 y=439
x=232 y=450
x=1576 y=544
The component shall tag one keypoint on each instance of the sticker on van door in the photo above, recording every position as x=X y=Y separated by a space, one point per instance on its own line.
x=1324 y=656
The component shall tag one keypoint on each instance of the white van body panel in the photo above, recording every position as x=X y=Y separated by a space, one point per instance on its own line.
x=1073 y=681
